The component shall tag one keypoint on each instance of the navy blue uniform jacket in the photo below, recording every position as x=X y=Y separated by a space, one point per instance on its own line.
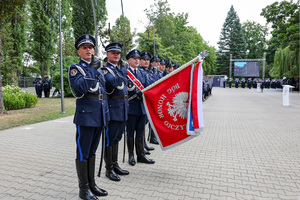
x=89 y=112
x=116 y=86
x=136 y=106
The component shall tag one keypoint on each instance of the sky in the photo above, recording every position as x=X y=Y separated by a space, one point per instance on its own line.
x=206 y=16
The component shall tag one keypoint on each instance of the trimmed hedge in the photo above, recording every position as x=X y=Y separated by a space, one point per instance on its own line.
x=14 y=98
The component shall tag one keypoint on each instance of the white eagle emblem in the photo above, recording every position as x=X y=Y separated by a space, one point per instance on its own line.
x=180 y=105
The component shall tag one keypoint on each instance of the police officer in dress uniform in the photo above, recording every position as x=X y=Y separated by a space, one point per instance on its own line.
x=38 y=86
x=117 y=93
x=224 y=82
x=47 y=86
x=136 y=114
x=176 y=66
x=254 y=83
x=162 y=67
x=90 y=116
x=230 y=82
x=249 y=83
x=144 y=64
x=237 y=83
x=268 y=83
x=262 y=85
x=154 y=61
x=243 y=83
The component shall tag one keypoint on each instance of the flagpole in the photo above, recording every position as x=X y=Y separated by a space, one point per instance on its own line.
x=171 y=74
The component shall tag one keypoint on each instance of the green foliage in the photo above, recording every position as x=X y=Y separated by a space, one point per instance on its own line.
x=284 y=19
x=255 y=36
x=14 y=98
x=173 y=38
x=146 y=41
x=13 y=38
x=117 y=35
x=9 y=9
x=7 y=47
x=56 y=78
x=82 y=12
x=232 y=41
x=44 y=32
x=66 y=31
x=285 y=63
x=30 y=100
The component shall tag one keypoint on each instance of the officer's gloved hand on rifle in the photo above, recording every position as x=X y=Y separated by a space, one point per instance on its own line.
x=96 y=63
x=139 y=95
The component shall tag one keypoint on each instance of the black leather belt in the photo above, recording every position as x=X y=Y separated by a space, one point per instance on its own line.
x=135 y=96
x=100 y=97
x=125 y=97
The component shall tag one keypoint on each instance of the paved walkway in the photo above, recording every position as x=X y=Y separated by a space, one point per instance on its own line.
x=250 y=149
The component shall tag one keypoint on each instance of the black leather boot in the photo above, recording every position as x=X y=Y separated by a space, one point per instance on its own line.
x=82 y=173
x=139 y=145
x=110 y=173
x=91 y=171
x=146 y=151
x=153 y=139
x=130 y=146
x=116 y=166
x=146 y=146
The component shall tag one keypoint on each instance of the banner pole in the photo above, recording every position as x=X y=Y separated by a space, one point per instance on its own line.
x=171 y=74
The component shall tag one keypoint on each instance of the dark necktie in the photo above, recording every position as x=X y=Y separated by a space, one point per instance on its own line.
x=135 y=72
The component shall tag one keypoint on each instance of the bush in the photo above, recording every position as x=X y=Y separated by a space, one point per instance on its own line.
x=30 y=100
x=67 y=62
x=14 y=98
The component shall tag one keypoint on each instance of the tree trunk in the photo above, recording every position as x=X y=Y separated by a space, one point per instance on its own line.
x=43 y=68
x=2 y=109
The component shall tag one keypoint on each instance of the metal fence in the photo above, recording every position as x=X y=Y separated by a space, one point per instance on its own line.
x=25 y=82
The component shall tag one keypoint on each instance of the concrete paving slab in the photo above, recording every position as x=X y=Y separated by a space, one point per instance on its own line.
x=249 y=150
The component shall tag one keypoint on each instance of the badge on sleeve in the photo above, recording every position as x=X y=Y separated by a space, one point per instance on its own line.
x=73 y=72
x=104 y=71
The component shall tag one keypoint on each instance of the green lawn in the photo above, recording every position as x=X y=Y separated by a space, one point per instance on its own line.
x=46 y=109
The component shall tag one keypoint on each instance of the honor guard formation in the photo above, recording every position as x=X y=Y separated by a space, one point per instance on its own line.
x=263 y=83
x=42 y=85
x=109 y=104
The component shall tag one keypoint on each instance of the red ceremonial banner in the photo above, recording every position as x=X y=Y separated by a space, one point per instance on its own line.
x=167 y=105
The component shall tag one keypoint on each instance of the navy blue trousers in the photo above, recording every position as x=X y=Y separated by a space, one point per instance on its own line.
x=87 y=140
x=114 y=132
x=136 y=123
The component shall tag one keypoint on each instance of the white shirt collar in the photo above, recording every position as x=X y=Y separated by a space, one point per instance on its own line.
x=113 y=64
x=86 y=61
x=132 y=68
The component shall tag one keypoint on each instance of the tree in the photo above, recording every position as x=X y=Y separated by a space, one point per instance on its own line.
x=83 y=19
x=146 y=41
x=232 y=41
x=68 y=50
x=173 y=38
x=117 y=35
x=44 y=32
x=255 y=37
x=286 y=63
x=284 y=19
x=13 y=45
x=160 y=17
x=8 y=9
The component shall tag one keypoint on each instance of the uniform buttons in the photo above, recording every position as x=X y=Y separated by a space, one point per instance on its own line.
x=96 y=76
x=83 y=111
